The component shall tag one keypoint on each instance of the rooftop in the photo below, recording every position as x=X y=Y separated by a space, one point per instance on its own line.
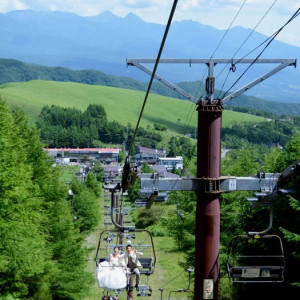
x=84 y=150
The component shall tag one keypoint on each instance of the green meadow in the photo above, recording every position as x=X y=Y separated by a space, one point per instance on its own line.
x=121 y=105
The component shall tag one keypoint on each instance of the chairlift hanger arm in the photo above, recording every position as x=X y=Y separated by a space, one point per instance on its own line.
x=263 y=232
x=112 y=210
x=289 y=173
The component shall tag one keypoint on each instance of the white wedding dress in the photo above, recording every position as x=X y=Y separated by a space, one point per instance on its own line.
x=112 y=276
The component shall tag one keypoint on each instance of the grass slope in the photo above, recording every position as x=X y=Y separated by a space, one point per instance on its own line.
x=121 y=105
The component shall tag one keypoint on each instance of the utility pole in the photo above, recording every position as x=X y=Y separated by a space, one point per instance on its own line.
x=209 y=184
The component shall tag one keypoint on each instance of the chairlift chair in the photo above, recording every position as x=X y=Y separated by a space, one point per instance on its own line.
x=256 y=259
x=148 y=260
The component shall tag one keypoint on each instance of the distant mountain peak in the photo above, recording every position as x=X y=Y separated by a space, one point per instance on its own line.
x=105 y=17
x=132 y=17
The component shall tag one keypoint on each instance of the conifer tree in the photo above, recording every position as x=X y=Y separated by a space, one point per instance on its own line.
x=41 y=253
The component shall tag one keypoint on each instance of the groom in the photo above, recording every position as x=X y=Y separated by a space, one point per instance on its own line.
x=132 y=263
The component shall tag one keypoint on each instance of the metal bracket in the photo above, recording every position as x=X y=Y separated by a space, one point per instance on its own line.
x=209 y=185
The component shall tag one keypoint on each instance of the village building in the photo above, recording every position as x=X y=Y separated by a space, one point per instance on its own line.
x=148 y=155
x=105 y=155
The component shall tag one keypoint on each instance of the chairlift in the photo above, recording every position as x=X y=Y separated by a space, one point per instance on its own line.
x=148 y=260
x=256 y=259
x=105 y=248
x=122 y=233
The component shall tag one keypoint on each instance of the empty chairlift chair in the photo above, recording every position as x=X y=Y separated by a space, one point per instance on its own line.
x=257 y=259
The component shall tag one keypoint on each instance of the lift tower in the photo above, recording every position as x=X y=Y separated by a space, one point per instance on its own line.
x=208 y=184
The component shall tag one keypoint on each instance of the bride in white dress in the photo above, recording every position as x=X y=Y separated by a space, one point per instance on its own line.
x=112 y=275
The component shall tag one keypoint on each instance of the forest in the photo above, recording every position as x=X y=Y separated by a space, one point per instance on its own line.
x=69 y=127
x=42 y=228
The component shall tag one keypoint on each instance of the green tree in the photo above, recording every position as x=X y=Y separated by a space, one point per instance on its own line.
x=23 y=255
x=92 y=183
x=98 y=171
x=86 y=210
x=146 y=169
x=181 y=224
x=33 y=249
x=122 y=156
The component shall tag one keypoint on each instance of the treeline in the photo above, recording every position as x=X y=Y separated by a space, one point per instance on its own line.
x=276 y=108
x=12 y=70
x=266 y=114
x=42 y=228
x=275 y=132
x=69 y=127
x=238 y=217
x=15 y=71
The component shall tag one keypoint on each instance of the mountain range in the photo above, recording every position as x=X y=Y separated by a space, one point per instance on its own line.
x=105 y=41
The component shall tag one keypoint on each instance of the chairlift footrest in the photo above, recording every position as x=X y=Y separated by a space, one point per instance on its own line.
x=144 y=291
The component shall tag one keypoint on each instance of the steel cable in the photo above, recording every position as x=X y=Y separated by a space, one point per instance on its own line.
x=153 y=73
x=271 y=38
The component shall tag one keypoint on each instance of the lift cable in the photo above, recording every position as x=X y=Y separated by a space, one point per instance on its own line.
x=243 y=43
x=190 y=114
x=232 y=69
x=228 y=28
x=223 y=37
x=153 y=74
x=179 y=274
x=188 y=119
x=296 y=14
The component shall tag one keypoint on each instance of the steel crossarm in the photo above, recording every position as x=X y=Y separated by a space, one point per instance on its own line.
x=226 y=183
x=285 y=63
x=167 y=83
x=211 y=63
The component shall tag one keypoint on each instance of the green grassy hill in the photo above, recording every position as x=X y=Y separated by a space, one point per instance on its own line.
x=121 y=105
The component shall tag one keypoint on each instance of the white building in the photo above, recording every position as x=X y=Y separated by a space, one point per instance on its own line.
x=171 y=162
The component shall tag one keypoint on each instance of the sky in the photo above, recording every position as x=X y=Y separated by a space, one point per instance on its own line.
x=217 y=13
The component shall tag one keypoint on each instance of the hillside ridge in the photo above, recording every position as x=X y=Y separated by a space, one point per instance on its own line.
x=121 y=105
x=12 y=70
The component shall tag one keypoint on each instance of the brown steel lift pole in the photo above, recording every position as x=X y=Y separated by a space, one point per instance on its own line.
x=208 y=207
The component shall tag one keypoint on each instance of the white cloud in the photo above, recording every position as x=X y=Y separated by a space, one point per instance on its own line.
x=8 y=5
